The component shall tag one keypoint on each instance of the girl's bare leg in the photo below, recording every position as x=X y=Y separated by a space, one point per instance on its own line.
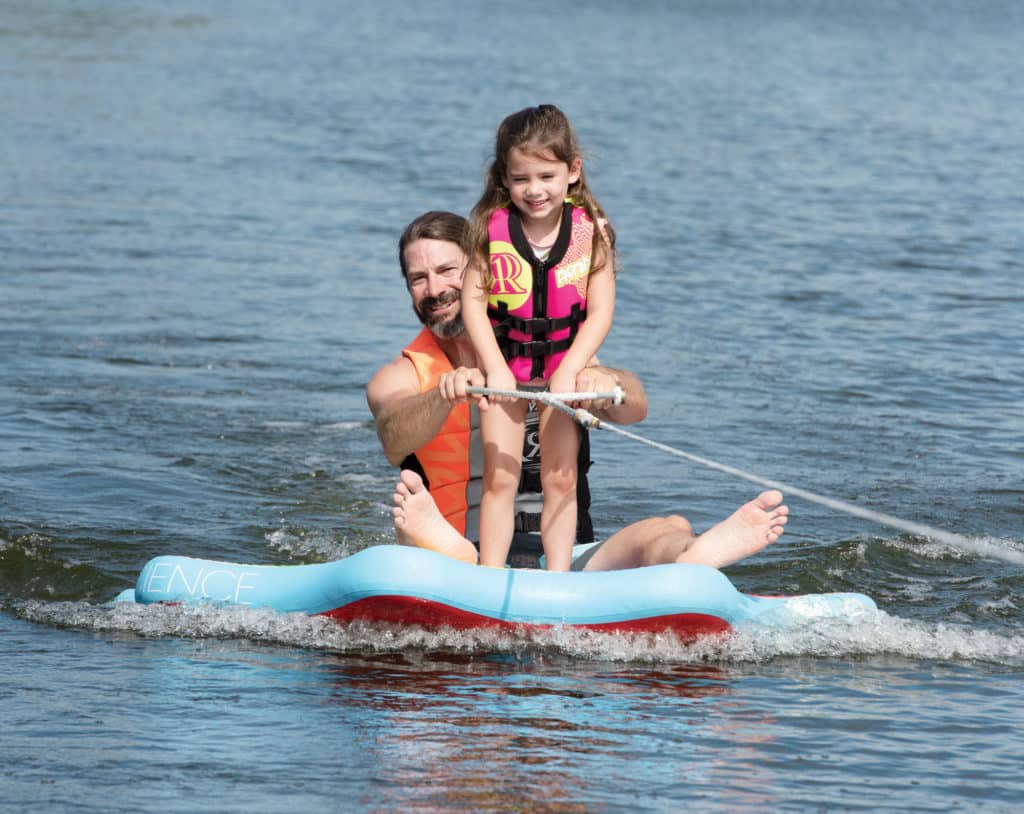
x=502 y=428
x=559 y=449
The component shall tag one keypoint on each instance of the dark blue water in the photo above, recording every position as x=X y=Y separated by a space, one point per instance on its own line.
x=818 y=206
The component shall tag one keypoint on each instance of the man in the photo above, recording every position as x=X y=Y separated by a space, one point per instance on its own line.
x=427 y=424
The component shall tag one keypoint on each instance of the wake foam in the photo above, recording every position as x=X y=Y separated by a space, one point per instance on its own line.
x=869 y=634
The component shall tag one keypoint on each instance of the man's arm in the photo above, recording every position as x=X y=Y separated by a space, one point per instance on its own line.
x=604 y=379
x=406 y=418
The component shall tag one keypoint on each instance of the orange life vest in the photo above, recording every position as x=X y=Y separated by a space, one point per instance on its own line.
x=452 y=462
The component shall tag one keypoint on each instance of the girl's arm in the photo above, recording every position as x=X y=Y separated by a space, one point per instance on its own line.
x=592 y=331
x=481 y=333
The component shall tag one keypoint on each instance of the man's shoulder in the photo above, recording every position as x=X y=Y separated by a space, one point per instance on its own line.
x=397 y=375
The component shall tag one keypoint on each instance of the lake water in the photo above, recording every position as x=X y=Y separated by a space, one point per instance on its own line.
x=819 y=213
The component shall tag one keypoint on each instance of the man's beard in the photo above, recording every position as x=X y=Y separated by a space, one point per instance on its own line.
x=442 y=327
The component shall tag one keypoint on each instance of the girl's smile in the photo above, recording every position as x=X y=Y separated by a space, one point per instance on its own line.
x=538 y=185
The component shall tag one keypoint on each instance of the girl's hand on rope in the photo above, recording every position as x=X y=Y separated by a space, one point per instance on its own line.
x=501 y=380
x=563 y=381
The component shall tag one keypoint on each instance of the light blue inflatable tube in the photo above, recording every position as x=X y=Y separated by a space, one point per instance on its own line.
x=391 y=583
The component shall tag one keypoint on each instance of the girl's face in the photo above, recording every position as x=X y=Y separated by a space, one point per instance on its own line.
x=538 y=184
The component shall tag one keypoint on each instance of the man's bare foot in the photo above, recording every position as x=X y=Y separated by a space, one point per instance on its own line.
x=418 y=521
x=746 y=531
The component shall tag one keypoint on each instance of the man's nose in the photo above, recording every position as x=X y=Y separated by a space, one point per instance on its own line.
x=435 y=285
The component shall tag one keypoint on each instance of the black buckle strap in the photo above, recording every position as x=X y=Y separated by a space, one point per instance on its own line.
x=536 y=348
x=535 y=325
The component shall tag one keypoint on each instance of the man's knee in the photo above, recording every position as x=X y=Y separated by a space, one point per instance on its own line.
x=677 y=524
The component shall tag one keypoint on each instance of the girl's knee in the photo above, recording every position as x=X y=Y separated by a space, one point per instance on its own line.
x=558 y=481
x=501 y=481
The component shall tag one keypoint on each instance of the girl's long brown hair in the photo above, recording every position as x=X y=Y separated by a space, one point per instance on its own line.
x=544 y=131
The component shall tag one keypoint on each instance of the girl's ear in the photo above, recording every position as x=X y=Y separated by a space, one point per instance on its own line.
x=575 y=169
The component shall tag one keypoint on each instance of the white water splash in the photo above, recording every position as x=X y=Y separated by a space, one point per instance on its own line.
x=938 y=550
x=864 y=634
x=307 y=545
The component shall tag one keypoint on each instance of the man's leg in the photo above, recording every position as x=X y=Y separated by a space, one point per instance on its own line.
x=418 y=521
x=753 y=526
x=658 y=540
x=653 y=541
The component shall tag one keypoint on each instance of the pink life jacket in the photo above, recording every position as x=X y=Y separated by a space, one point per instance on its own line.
x=536 y=306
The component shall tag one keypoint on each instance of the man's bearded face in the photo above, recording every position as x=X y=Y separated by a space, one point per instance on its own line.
x=445 y=325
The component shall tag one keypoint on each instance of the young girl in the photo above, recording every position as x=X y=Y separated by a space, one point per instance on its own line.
x=537 y=301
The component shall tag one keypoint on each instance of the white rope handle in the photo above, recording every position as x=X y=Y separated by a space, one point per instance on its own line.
x=616 y=396
x=589 y=420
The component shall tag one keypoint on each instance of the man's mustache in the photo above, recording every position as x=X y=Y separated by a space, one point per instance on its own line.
x=427 y=304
